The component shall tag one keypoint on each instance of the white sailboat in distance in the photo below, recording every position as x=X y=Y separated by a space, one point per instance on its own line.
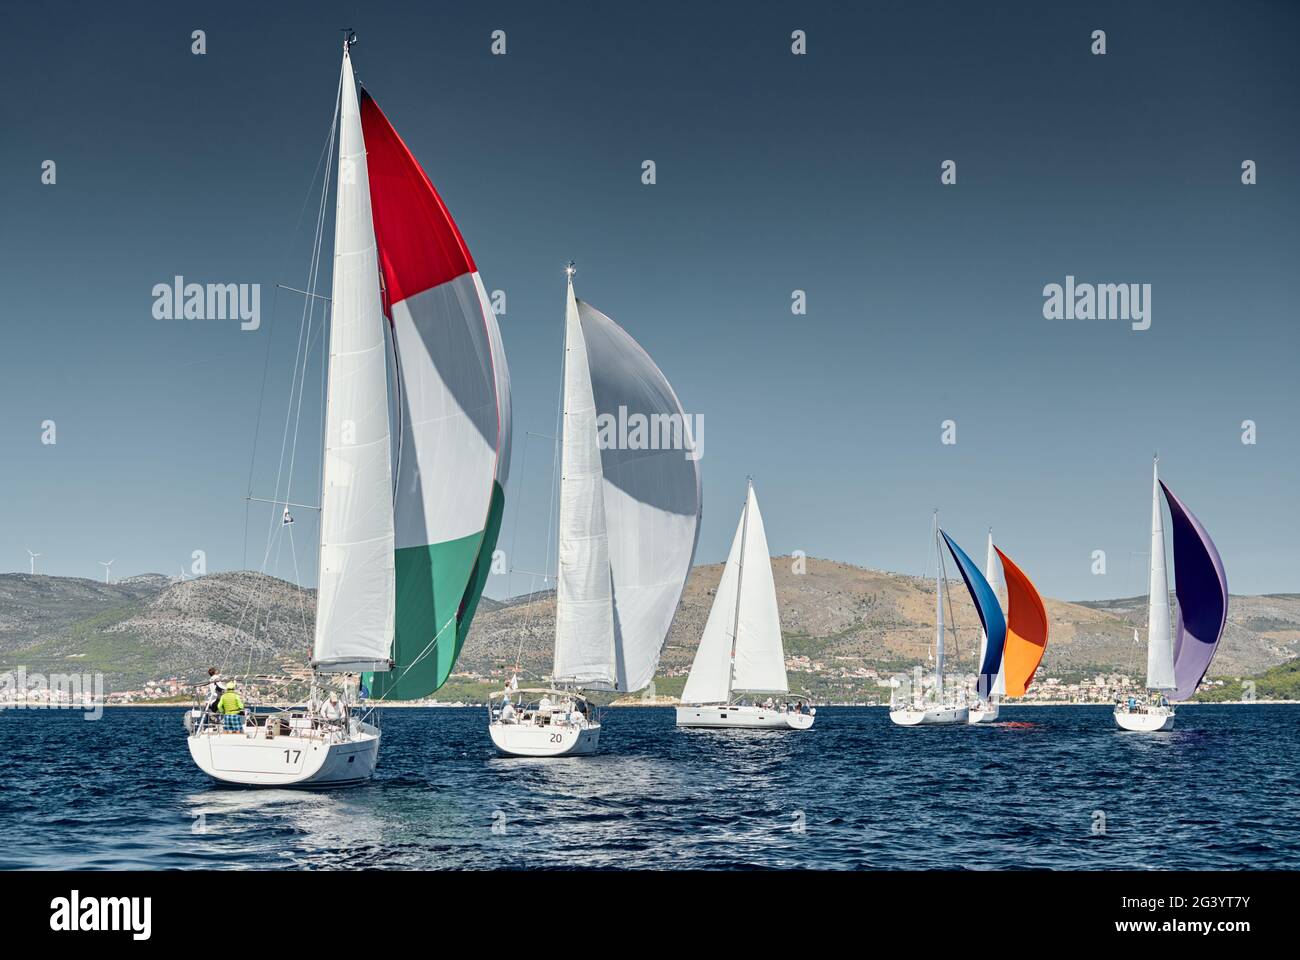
x=406 y=538
x=944 y=706
x=1177 y=660
x=740 y=651
x=628 y=525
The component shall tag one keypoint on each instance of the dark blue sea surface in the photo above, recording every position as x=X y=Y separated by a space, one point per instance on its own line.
x=1056 y=787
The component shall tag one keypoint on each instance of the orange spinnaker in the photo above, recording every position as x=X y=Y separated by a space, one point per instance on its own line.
x=1026 y=629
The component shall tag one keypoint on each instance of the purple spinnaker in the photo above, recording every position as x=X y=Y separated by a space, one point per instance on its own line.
x=1202 y=588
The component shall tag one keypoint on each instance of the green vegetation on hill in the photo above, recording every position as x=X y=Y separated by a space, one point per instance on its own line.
x=1277 y=683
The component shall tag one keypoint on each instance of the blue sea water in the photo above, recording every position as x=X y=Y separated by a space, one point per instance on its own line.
x=1054 y=787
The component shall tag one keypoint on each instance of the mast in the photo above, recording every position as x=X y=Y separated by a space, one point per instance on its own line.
x=1160 y=651
x=740 y=580
x=938 y=615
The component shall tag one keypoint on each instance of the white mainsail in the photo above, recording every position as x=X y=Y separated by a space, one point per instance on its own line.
x=1160 y=643
x=354 y=622
x=740 y=649
x=938 y=614
x=584 y=608
x=993 y=574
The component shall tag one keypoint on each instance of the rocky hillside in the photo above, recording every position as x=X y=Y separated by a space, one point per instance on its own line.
x=151 y=628
x=846 y=616
x=840 y=616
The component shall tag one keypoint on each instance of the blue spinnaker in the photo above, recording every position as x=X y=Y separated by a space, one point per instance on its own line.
x=986 y=602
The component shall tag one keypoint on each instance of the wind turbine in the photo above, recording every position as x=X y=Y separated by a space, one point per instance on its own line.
x=32 y=557
x=108 y=568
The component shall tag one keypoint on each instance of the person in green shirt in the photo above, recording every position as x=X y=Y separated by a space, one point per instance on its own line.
x=231 y=708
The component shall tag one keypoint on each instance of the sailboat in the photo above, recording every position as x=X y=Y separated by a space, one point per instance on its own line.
x=985 y=708
x=740 y=651
x=1177 y=661
x=416 y=451
x=628 y=525
x=944 y=706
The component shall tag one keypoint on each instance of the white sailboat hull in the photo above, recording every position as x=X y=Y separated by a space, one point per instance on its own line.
x=927 y=716
x=1152 y=721
x=342 y=759
x=747 y=717
x=533 y=740
x=983 y=713
x=800 y=721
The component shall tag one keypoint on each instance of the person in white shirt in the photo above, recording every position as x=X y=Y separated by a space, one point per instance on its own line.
x=332 y=710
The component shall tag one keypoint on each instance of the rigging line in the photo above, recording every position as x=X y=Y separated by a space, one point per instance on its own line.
x=266 y=362
x=255 y=600
x=514 y=542
x=313 y=271
x=300 y=353
x=299 y=381
x=272 y=539
x=952 y=617
x=261 y=393
x=297 y=577
x=270 y=338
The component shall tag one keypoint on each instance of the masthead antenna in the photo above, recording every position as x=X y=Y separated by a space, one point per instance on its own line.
x=570 y=270
x=349 y=36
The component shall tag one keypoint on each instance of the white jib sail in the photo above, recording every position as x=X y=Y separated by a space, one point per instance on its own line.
x=744 y=617
x=1160 y=642
x=354 y=621
x=710 y=678
x=584 y=605
x=993 y=574
x=760 y=659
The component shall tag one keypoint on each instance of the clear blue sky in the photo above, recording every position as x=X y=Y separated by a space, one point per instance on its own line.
x=775 y=172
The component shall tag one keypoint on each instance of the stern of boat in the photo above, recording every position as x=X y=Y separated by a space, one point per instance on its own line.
x=251 y=758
